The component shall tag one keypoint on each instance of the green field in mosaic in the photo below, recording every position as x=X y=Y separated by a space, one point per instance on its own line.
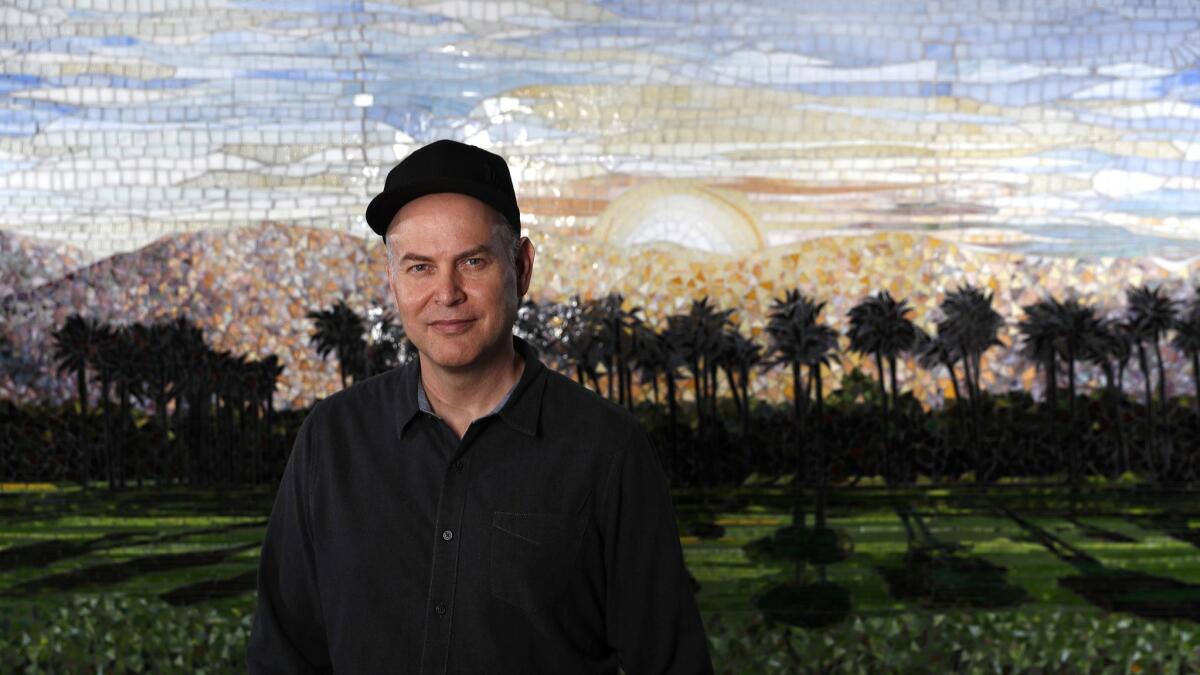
x=151 y=545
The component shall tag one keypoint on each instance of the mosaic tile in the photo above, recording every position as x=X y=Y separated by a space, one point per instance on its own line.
x=665 y=149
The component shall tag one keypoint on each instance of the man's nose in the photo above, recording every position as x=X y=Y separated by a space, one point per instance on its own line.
x=449 y=289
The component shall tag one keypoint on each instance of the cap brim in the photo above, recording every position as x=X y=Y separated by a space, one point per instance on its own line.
x=384 y=207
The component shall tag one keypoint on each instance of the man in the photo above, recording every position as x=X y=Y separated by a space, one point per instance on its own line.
x=473 y=511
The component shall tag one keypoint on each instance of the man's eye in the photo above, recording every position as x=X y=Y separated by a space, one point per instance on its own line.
x=419 y=267
x=474 y=262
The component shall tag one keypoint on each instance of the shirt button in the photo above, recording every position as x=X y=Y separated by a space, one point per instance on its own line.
x=447 y=535
x=458 y=465
x=440 y=609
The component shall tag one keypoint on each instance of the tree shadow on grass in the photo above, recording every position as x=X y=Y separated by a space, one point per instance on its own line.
x=42 y=553
x=1114 y=589
x=941 y=574
x=800 y=600
x=212 y=589
x=1100 y=534
x=115 y=573
x=1172 y=525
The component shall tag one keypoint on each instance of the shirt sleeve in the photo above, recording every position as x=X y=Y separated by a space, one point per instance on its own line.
x=651 y=615
x=288 y=633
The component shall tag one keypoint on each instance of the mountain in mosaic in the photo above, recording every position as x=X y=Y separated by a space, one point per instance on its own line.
x=251 y=289
x=27 y=262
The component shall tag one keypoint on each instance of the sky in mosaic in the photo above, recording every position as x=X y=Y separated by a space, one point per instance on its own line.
x=1067 y=129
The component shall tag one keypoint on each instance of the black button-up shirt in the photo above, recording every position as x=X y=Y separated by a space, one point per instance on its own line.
x=543 y=541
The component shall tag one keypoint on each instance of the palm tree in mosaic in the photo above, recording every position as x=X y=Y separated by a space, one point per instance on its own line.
x=159 y=378
x=738 y=356
x=194 y=353
x=386 y=344
x=1106 y=346
x=128 y=380
x=230 y=401
x=636 y=338
x=1150 y=314
x=75 y=344
x=109 y=357
x=1074 y=324
x=935 y=352
x=263 y=381
x=696 y=337
x=658 y=356
x=1039 y=333
x=969 y=326
x=648 y=358
x=618 y=327
x=533 y=325
x=1187 y=341
x=341 y=331
x=580 y=335
x=612 y=318
x=799 y=340
x=880 y=327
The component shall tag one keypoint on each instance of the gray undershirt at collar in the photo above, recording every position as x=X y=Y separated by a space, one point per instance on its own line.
x=423 y=400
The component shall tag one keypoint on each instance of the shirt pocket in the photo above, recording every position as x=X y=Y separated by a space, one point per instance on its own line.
x=532 y=556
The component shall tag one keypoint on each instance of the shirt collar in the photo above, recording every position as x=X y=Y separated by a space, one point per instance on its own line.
x=521 y=408
x=425 y=406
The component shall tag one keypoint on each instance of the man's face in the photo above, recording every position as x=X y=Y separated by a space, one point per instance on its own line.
x=455 y=291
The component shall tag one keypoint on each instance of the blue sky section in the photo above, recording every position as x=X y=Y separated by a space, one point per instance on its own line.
x=258 y=75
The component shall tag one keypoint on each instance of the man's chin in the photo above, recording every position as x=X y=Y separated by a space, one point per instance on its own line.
x=451 y=358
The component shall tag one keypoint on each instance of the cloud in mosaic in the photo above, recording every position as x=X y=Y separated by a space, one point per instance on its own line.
x=1043 y=124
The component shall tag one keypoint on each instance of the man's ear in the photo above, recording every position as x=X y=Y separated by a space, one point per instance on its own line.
x=525 y=256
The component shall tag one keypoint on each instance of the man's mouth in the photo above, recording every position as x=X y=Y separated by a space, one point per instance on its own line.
x=451 y=326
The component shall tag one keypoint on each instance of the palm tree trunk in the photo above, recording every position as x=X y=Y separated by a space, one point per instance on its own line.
x=976 y=449
x=746 y=400
x=1073 y=432
x=1111 y=397
x=126 y=436
x=85 y=454
x=674 y=415
x=819 y=445
x=106 y=406
x=711 y=367
x=883 y=411
x=976 y=395
x=1150 y=431
x=960 y=412
x=737 y=394
x=1052 y=398
x=164 y=441
x=609 y=371
x=901 y=461
x=628 y=372
x=1196 y=384
x=1164 y=407
x=1120 y=400
x=799 y=412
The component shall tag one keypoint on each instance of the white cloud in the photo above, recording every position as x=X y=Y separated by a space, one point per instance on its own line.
x=794 y=69
x=1117 y=183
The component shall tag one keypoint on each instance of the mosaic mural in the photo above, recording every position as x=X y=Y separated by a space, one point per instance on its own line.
x=215 y=157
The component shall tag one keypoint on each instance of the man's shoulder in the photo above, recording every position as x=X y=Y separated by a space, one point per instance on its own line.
x=382 y=389
x=567 y=401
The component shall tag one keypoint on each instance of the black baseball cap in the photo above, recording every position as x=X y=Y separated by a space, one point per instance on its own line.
x=446 y=166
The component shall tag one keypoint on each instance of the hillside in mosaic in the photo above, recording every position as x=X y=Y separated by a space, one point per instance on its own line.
x=250 y=288
x=27 y=262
